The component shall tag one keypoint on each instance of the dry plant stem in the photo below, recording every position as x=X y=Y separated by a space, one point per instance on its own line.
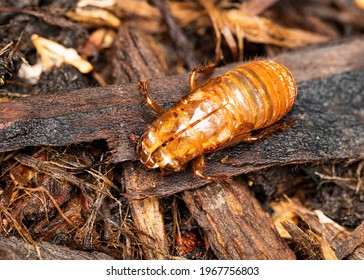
x=184 y=47
x=88 y=228
x=235 y=224
x=53 y=170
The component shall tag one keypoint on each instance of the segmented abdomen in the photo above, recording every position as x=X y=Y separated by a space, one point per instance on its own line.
x=263 y=91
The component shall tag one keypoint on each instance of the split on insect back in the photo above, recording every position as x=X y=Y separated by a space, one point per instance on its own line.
x=243 y=105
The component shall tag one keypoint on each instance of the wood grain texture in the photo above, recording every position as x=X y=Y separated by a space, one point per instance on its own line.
x=235 y=224
x=13 y=248
x=344 y=243
x=147 y=217
x=133 y=59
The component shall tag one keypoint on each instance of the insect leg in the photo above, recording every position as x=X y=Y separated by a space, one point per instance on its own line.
x=206 y=70
x=270 y=130
x=198 y=165
x=143 y=89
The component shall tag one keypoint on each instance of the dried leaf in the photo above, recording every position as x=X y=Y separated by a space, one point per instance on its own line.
x=261 y=30
x=234 y=23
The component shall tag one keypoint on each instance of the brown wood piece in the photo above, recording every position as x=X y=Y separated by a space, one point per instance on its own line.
x=235 y=224
x=353 y=241
x=13 y=248
x=337 y=235
x=147 y=217
x=308 y=245
x=133 y=59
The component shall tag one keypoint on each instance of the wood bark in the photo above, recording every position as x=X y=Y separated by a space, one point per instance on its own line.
x=345 y=244
x=13 y=248
x=148 y=218
x=352 y=242
x=235 y=224
x=133 y=59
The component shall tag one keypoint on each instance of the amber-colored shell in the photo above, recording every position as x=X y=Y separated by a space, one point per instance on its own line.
x=217 y=113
